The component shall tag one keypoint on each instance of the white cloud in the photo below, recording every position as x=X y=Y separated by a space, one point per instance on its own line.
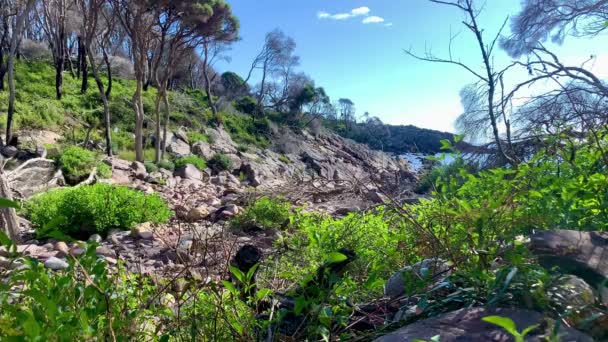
x=355 y=12
x=373 y=20
x=388 y=24
x=360 y=11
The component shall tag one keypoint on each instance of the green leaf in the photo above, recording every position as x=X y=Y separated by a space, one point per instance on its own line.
x=263 y=293
x=458 y=138
x=336 y=257
x=606 y=24
x=528 y=329
x=230 y=287
x=5 y=240
x=503 y=322
x=5 y=203
x=240 y=276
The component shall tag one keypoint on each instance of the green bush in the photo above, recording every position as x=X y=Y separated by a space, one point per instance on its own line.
x=104 y=170
x=264 y=213
x=198 y=162
x=81 y=211
x=220 y=162
x=76 y=163
x=194 y=137
x=167 y=165
x=285 y=159
x=150 y=167
x=443 y=173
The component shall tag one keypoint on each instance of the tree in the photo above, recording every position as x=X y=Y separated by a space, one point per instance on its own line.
x=4 y=45
x=489 y=77
x=137 y=21
x=218 y=31
x=233 y=86
x=17 y=13
x=276 y=54
x=540 y=20
x=92 y=9
x=52 y=17
x=347 y=112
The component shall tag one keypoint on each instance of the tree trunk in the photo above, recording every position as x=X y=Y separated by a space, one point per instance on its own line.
x=59 y=77
x=2 y=68
x=11 y=89
x=166 y=125
x=80 y=52
x=157 y=144
x=106 y=59
x=84 y=68
x=208 y=83
x=9 y=215
x=104 y=99
x=260 y=109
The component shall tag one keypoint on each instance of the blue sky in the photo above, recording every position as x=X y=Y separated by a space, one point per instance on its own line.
x=365 y=61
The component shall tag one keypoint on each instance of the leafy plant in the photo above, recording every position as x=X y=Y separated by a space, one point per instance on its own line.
x=264 y=213
x=167 y=165
x=104 y=170
x=150 y=167
x=220 y=162
x=509 y=326
x=82 y=211
x=197 y=162
x=77 y=163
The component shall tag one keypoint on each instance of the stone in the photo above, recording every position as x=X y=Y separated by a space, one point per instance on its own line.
x=377 y=197
x=105 y=251
x=178 y=147
x=3 y=252
x=139 y=169
x=155 y=178
x=198 y=213
x=189 y=171
x=430 y=271
x=466 y=325
x=203 y=149
x=584 y=254
x=142 y=231
x=55 y=264
x=111 y=261
x=77 y=250
x=232 y=209
x=34 y=176
x=346 y=210
x=62 y=248
x=96 y=238
x=9 y=151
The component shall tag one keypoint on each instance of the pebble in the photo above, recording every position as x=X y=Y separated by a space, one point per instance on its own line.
x=55 y=264
x=95 y=238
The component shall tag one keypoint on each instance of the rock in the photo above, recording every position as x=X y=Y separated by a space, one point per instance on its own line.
x=232 y=209
x=105 y=251
x=62 y=248
x=377 y=197
x=346 y=210
x=9 y=151
x=155 y=178
x=198 y=213
x=467 y=325
x=574 y=292
x=222 y=142
x=96 y=238
x=139 y=169
x=3 y=252
x=177 y=146
x=584 y=254
x=34 y=176
x=77 y=250
x=430 y=271
x=142 y=231
x=203 y=149
x=189 y=171
x=55 y=264
x=235 y=161
x=111 y=261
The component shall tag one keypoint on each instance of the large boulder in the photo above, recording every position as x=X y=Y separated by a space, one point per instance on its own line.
x=423 y=273
x=177 y=146
x=222 y=142
x=203 y=149
x=466 y=325
x=34 y=176
x=584 y=254
x=189 y=171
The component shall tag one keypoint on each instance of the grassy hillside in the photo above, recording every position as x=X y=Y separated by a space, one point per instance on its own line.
x=38 y=108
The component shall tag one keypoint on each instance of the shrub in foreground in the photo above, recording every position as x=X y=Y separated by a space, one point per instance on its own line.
x=199 y=163
x=264 y=213
x=81 y=211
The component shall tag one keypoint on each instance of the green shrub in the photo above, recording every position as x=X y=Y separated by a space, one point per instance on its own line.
x=194 y=137
x=81 y=211
x=285 y=159
x=76 y=163
x=264 y=213
x=104 y=170
x=198 y=162
x=220 y=162
x=167 y=165
x=150 y=167
x=443 y=173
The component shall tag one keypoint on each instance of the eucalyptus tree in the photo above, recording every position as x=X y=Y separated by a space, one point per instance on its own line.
x=52 y=16
x=137 y=19
x=16 y=14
